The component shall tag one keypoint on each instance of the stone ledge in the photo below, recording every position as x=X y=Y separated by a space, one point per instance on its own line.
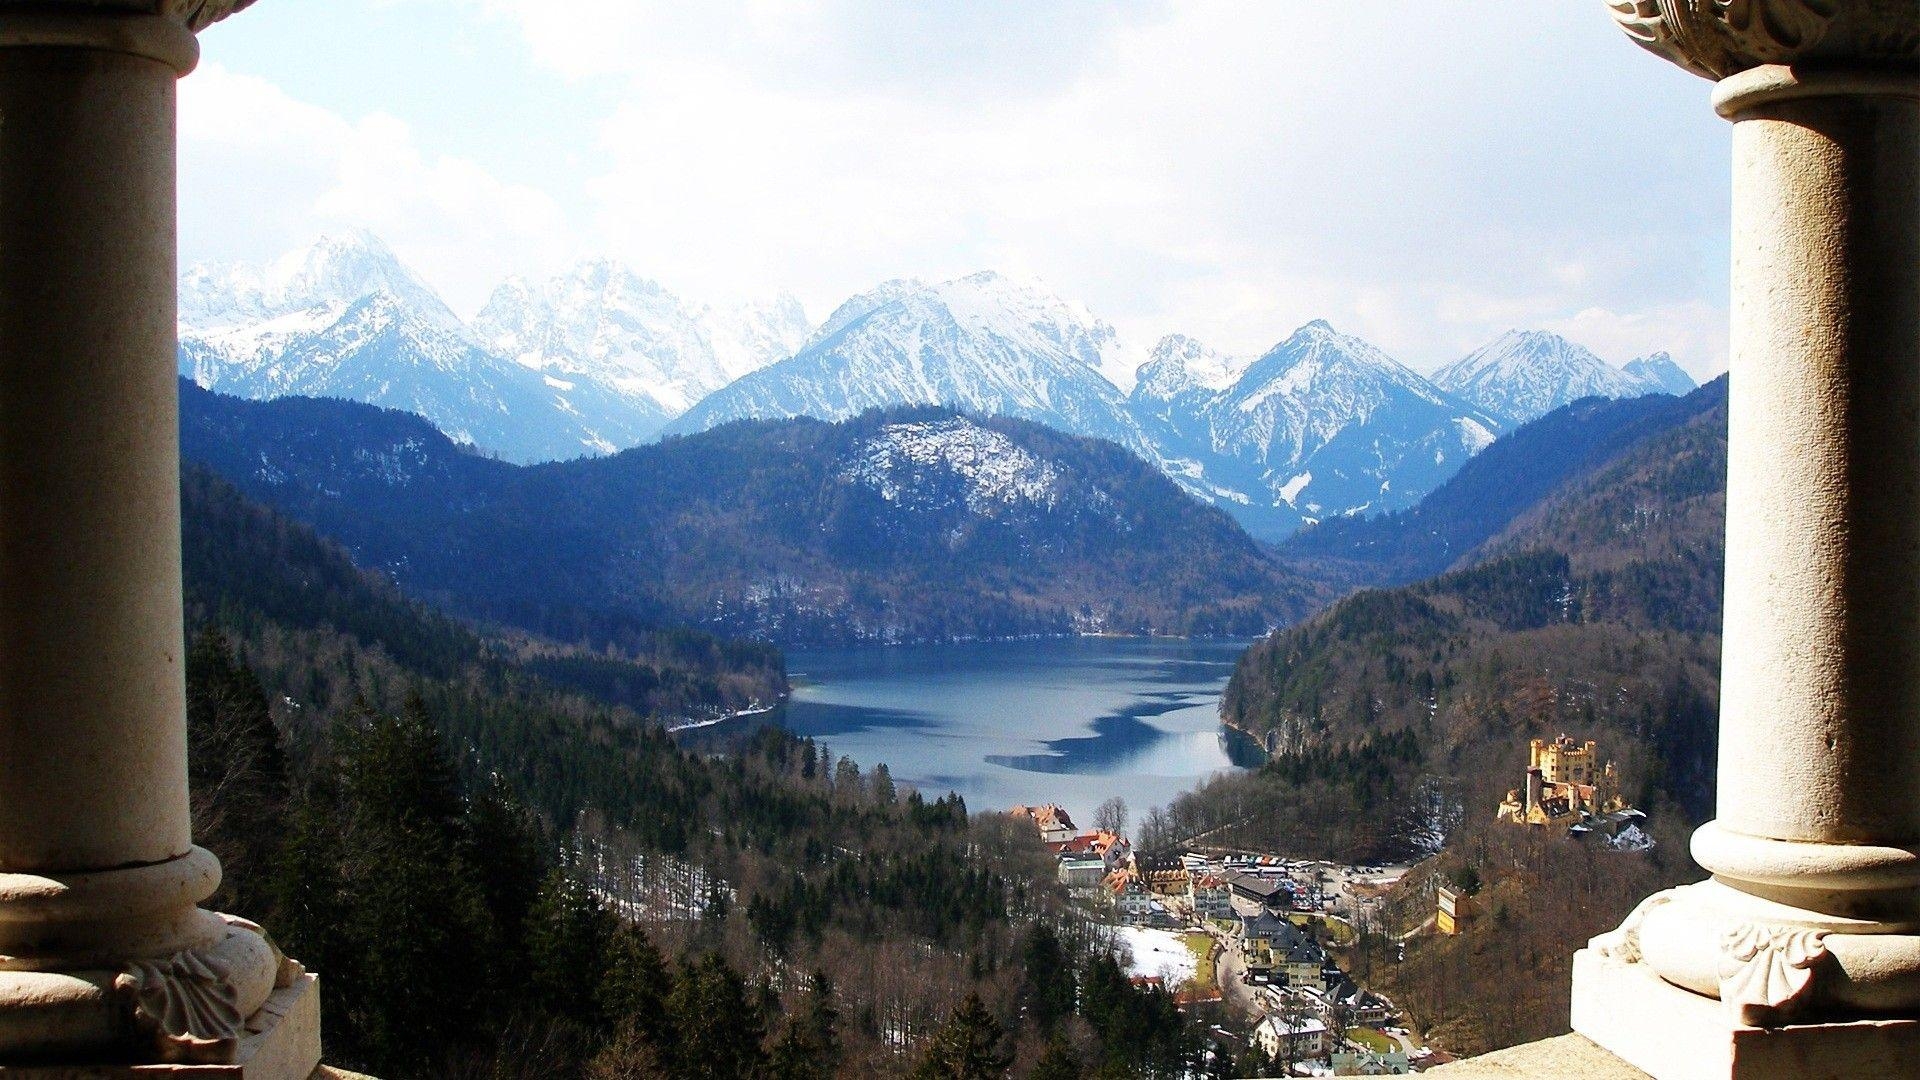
x=1675 y=1034
x=1549 y=1059
x=287 y=1046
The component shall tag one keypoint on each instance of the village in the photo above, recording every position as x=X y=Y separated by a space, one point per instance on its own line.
x=1258 y=932
x=1264 y=934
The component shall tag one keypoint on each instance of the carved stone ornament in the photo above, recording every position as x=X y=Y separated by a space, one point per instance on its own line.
x=1717 y=38
x=1766 y=971
x=195 y=15
x=200 y=14
x=188 y=1005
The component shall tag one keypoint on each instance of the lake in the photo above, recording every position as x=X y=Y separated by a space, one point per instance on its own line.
x=1070 y=721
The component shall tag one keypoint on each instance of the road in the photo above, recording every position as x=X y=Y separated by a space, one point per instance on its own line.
x=1230 y=972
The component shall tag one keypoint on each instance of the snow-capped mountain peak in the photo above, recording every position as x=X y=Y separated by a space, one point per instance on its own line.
x=1658 y=371
x=985 y=342
x=1178 y=364
x=1322 y=424
x=595 y=360
x=1319 y=360
x=1525 y=374
x=632 y=337
x=333 y=273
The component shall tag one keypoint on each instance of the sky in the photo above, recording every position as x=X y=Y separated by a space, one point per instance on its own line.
x=1425 y=174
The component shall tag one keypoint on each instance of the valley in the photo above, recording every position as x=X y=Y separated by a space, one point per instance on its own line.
x=1307 y=605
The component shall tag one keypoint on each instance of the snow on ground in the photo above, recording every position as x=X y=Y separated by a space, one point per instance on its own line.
x=1157 y=952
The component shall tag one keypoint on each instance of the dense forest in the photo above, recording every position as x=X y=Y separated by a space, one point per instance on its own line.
x=1397 y=719
x=499 y=873
x=906 y=525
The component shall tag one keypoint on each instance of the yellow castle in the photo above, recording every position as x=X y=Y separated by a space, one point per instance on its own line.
x=1565 y=781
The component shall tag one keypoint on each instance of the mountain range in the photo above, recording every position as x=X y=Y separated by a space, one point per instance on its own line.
x=600 y=359
x=593 y=361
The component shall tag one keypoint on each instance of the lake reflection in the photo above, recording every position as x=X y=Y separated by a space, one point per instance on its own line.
x=1073 y=721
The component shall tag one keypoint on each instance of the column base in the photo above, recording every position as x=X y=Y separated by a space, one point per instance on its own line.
x=1675 y=1034
x=282 y=1043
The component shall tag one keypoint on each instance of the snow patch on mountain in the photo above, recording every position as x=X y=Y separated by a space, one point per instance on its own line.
x=993 y=470
x=1475 y=435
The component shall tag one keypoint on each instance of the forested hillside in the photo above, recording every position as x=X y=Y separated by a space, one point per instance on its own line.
x=500 y=873
x=1398 y=718
x=910 y=525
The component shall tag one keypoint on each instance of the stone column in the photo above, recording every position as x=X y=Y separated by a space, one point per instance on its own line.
x=1808 y=933
x=106 y=961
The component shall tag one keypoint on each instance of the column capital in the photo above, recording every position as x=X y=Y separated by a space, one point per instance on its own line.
x=1719 y=38
x=195 y=15
x=160 y=30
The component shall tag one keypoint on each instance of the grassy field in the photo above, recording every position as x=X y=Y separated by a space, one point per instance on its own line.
x=1337 y=932
x=1372 y=1040
x=1201 y=945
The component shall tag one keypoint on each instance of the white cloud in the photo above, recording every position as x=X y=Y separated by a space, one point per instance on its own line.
x=1694 y=332
x=1224 y=169
x=262 y=172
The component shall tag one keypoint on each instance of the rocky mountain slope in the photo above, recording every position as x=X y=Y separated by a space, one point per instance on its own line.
x=907 y=525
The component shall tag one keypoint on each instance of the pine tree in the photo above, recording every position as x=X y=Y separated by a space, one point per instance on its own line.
x=416 y=935
x=511 y=855
x=1057 y=1062
x=884 y=792
x=633 y=990
x=970 y=1046
x=236 y=771
x=717 y=1030
x=1049 y=978
x=567 y=937
x=810 y=1048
